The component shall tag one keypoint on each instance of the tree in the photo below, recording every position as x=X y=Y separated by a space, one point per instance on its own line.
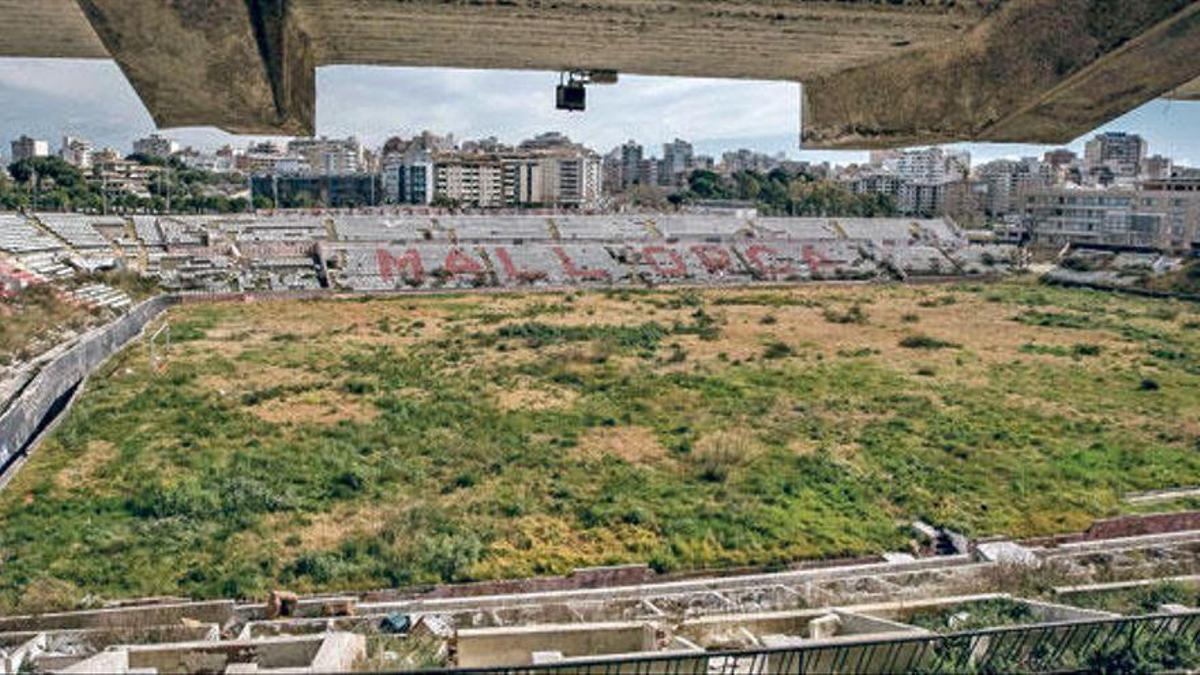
x=707 y=185
x=649 y=196
x=444 y=202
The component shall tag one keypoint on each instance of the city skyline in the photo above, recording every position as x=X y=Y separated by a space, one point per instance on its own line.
x=91 y=99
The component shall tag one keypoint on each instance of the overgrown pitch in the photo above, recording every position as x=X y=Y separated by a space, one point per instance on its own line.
x=380 y=442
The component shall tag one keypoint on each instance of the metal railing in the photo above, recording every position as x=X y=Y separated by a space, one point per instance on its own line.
x=1060 y=646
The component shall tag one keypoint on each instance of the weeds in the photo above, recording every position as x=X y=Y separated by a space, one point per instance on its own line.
x=922 y=341
x=472 y=463
x=854 y=314
x=777 y=350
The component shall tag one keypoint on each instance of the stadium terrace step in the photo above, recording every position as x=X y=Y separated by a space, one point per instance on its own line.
x=360 y=252
x=101 y=295
x=18 y=237
x=77 y=231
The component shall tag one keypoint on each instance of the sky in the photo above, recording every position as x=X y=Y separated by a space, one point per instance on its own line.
x=50 y=98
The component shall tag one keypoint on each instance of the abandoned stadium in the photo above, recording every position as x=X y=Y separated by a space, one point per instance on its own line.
x=943 y=602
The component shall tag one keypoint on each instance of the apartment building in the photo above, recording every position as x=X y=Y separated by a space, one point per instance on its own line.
x=155 y=145
x=408 y=176
x=329 y=156
x=470 y=180
x=117 y=174
x=76 y=151
x=1116 y=152
x=1161 y=215
x=1178 y=200
x=561 y=175
x=28 y=148
x=566 y=179
x=1007 y=180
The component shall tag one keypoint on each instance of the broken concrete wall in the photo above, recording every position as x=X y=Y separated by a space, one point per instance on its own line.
x=138 y=617
x=23 y=420
x=489 y=647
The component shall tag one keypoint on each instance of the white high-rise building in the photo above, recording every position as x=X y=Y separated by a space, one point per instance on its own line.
x=329 y=156
x=570 y=176
x=76 y=151
x=927 y=165
x=470 y=180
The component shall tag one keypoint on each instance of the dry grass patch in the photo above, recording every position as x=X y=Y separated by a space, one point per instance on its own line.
x=634 y=444
x=81 y=470
x=525 y=395
x=543 y=544
x=718 y=453
x=251 y=376
x=324 y=531
x=321 y=407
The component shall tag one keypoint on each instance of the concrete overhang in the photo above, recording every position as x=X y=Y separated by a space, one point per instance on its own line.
x=876 y=73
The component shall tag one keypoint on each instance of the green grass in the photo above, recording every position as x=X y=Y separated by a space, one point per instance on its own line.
x=1137 y=600
x=973 y=616
x=175 y=483
x=1077 y=350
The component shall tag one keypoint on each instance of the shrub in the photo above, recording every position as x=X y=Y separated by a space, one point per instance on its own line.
x=678 y=354
x=920 y=341
x=853 y=314
x=857 y=353
x=1148 y=384
x=777 y=350
x=449 y=556
x=320 y=567
x=644 y=337
x=940 y=301
x=48 y=594
x=909 y=318
x=1077 y=350
x=358 y=387
x=1080 y=264
x=1057 y=320
x=1150 y=599
x=716 y=454
x=348 y=483
x=768 y=320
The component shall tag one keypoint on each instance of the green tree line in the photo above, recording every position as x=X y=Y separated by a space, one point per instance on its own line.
x=51 y=184
x=781 y=193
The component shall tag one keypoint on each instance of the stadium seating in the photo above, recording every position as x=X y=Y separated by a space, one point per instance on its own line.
x=403 y=250
x=501 y=228
x=101 y=295
x=178 y=232
x=17 y=236
x=705 y=227
x=603 y=228
x=76 y=230
x=383 y=229
x=147 y=231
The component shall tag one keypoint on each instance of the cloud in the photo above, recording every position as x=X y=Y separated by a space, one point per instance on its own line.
x=91 y=98
x=373 y=103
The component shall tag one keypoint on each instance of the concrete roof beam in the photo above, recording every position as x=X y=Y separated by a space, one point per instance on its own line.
x=1037 y=71
x=239 y=65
